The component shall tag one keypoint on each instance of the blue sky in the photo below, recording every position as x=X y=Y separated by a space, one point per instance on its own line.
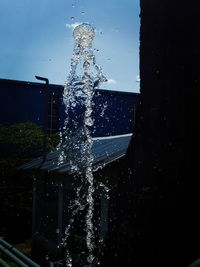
x=36 y=39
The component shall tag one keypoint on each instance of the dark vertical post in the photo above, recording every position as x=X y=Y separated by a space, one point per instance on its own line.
x=34 y=201
x=104 y=214
x=45 y=127
x=60 y=211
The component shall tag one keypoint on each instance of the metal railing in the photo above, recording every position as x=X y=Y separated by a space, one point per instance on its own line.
x=14 y=255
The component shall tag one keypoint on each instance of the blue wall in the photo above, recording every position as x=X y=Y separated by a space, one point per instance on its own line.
x=25 y=101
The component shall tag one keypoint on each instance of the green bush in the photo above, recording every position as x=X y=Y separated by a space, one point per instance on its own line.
x=21 y=142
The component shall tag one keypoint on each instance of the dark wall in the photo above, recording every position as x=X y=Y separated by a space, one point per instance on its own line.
x=158 y=200
x=114 y=112
x=21 y=102
x=25 y=101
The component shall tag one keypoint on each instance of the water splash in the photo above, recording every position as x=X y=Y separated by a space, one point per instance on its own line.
x=76 y=140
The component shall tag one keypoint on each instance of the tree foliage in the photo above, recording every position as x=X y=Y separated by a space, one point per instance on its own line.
x=22 y=142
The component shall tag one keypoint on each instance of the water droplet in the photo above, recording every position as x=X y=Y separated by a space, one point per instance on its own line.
x=73 y=5
x=72 y=18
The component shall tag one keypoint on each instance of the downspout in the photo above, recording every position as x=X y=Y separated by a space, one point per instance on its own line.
x=45 y=126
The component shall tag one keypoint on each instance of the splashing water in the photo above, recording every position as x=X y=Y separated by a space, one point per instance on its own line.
x=76 y=144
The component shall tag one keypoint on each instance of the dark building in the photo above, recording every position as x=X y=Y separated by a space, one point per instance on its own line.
x=35 y=102
x=54 y=191
x=157 y=205
x=114 y=114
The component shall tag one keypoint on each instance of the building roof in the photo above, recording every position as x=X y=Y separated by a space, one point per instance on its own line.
x=60 y=87
x=105 y=150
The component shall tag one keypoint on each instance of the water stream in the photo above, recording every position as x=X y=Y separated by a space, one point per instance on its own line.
x=76 y=145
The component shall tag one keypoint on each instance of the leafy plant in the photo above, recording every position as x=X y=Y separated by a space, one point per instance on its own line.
x=22 y=142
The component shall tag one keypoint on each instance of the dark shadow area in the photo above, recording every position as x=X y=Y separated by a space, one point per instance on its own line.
x=158 y=197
